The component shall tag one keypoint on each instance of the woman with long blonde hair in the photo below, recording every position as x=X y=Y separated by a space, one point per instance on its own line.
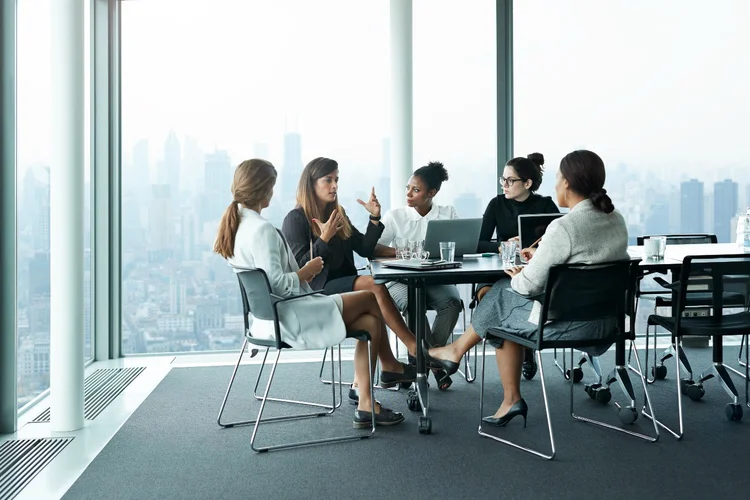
x=247 y=240
x=319 y=227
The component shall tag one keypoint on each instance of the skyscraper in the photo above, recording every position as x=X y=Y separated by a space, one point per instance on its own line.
x=218 y=174
x=657 y=219
x=139 y=178
x=160 y=224
x=292 y=167
x=691 y=206
x=171 y=167
x=725 y=207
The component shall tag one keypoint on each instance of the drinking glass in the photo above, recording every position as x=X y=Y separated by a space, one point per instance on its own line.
x=402 y=248
x=508 y=252
x=447 y=251
x=416 y=249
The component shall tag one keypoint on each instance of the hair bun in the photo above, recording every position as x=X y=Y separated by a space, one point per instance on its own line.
x=537 y=159
x=439 y=170
x=601 y=200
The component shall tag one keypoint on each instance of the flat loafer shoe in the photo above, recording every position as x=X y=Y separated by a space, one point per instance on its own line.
x=363 y=419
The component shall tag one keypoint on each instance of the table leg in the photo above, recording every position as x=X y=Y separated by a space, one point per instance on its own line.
x=419 y=309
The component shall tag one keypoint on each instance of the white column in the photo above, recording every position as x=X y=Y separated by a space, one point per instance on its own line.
x=402 y=139
x=66 y=216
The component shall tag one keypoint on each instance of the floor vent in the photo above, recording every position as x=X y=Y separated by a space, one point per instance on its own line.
x=22 y=459
x=100 y=389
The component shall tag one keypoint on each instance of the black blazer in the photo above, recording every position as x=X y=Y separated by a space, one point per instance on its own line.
x=337 y=254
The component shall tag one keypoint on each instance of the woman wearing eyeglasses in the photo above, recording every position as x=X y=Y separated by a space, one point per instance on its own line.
x=521 y=179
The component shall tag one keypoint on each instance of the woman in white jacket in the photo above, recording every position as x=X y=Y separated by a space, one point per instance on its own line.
x=247 y=240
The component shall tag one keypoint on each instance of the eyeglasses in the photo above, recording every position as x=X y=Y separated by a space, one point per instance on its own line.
x=509 y=181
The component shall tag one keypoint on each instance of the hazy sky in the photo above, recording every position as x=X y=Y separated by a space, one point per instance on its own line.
x=652 y=84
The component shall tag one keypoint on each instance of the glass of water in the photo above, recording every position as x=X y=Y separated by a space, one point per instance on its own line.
x=448 y=251
x=416 y=249
x=508 y=252
x=402 y=248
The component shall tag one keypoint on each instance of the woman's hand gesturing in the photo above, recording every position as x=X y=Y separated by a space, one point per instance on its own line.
x=331 y=227
x=372 y=205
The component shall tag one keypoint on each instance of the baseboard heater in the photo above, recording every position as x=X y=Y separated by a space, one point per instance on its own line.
x=99 y=389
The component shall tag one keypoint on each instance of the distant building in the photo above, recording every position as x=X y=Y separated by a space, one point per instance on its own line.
x=691 y=206
x=725 y=208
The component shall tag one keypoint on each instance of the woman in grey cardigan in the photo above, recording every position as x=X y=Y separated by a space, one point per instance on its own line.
x=593 y=231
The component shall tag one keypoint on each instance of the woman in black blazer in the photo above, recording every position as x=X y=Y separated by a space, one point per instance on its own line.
x=319 y=227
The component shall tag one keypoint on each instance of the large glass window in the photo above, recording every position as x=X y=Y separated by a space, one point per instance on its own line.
x=657 y=89
x=455 y=98
x=34 y=126
x=287 y=81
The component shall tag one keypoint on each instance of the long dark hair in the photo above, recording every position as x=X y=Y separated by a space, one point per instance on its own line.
x=306 y=198
x=585 y=173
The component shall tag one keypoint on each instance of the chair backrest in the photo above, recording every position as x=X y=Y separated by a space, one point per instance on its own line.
x=681 y=239
x=256 y=294
x=589 y=292
x=718 y=272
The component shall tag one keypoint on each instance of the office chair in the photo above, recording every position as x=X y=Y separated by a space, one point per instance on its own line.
x=719 y=271
x=258 y=300
x=664 y=297
x=580 y=292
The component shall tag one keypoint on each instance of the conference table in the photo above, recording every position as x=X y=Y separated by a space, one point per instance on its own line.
x=490 y=269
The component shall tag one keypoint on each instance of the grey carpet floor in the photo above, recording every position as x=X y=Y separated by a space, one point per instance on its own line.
x=172 y=448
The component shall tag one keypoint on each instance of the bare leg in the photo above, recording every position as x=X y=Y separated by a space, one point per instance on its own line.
x=482 y=292
x=372 y=325
x=454 y=351
x=363 y=302
x=509 y=360
x=391 y=315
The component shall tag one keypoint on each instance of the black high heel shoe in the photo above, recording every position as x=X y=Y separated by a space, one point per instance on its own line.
x=450 y=367
x=519 y=408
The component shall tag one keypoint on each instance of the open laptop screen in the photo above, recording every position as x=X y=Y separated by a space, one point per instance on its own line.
x=531 y=227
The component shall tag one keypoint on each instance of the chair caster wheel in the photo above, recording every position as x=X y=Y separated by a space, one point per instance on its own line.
x=695 y=391
x=425 y=425
x=599 y=393
x=412 y=401
x=529 y=369
x=627 y=415
x=659 y=372
x=577 y=374
x=733 y=412
x=405 y=385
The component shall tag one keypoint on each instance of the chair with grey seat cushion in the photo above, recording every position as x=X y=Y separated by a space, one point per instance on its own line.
x=258 y=300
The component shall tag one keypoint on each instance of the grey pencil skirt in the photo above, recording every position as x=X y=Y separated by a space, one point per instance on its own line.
x=503 y=308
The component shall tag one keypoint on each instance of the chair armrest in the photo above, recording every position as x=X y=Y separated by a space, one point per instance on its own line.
x=295 y=297
x=665 y=284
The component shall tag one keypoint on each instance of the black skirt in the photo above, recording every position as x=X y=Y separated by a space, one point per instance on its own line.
x=340 y=285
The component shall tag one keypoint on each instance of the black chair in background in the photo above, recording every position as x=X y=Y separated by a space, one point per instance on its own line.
x=697 y=300
x=258 y=300
x=718 y=271
x=579 y=292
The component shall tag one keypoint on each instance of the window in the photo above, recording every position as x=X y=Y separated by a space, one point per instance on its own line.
x=455 y=98
x=657 y=89
x=34 y=126
x=286 y=81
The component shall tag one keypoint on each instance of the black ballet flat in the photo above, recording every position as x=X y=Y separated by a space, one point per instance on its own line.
x=519 y=408
x=449 y=366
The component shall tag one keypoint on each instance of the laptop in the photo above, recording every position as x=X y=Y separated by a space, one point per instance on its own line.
x=423 y=265
x=465 y=232
x=531 y=227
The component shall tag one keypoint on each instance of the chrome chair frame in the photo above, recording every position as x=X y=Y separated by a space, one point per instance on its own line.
x=266 y=307
x=717 y=368
x=619 y=373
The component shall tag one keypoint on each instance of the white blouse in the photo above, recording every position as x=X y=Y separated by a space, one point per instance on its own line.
x=406 y=222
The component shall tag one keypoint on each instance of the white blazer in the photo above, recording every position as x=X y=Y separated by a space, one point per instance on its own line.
x=308 y=323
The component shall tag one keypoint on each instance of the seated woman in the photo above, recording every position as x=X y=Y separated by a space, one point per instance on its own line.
x=410 y=223
x=319 y=227
x=246 y=239
x=521 y=178
x=592 y=232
